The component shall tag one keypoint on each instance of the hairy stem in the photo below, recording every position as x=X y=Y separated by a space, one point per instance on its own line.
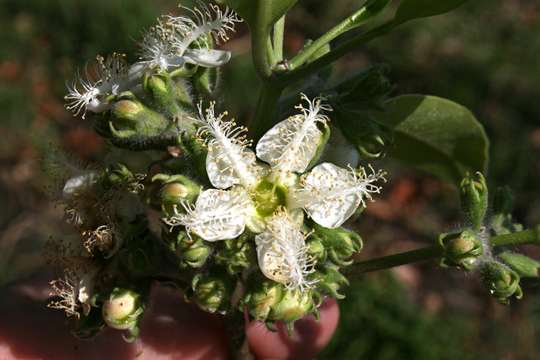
x=531 y=236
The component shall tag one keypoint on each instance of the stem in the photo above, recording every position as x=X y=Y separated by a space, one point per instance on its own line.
x=335 y=54
x=260 y=38
x=279 y=30
x=386 y=262
x=531 y=236
x=347 y=24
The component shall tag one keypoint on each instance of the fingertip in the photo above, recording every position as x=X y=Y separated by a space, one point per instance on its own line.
x=309 y=337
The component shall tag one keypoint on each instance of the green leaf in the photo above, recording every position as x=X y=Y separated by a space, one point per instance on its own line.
x=433 y=134
x=415 y=9
x=523 y=265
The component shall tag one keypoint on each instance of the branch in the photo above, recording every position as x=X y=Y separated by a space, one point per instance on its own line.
x=288 y=77
x=531 y=236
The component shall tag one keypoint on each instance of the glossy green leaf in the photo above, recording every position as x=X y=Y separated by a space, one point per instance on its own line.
x=435 y=134
x=415 y=9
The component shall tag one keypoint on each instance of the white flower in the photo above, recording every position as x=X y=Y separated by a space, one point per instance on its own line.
x=90 y=93
x=175 y=41
x=270 y=199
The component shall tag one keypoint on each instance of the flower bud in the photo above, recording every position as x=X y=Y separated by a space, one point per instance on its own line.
x=502 y=282
x=339 y=243
x=329 y=281
x=293 y=305
x=521 y=264
x=206 y=80
x=134 y=126
x=191 y=251
x=170 y=97
x=261 y=296
x=123 y=309
x=370 y=138
x=212 y=292
x=176 y=189
x=461 y=249
x=316 y=250
x=474 y=198
x=236 y=254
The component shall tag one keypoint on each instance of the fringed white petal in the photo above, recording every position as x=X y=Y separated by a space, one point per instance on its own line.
x=216 y=215
x=282 y=253
x=330 y=194
x=205 y=20
x=291 y=144
x=207 y=57
x=229 y=160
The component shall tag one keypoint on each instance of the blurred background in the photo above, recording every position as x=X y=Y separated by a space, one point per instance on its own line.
x=484 y=55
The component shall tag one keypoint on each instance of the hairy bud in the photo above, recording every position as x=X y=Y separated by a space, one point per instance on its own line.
x=330 y=280
x=212 y=292
x=461 y=249
x=261 y=297
x=123 y=309
x=339 y=243
x=474 y=198
x=501 y=281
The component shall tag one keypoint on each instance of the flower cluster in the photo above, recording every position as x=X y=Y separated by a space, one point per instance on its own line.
x=246 y=227
x=270 y=197
x=172 y=43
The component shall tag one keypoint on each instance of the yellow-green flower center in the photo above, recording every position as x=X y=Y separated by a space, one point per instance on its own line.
x=268 y=196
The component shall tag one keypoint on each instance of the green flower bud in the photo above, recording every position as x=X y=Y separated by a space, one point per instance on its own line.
x=170 y=97
x=329 y=281
x=191 y=251
x=501 y=281
x=316 y=249
x=194 y=155
x=461 y=249
x=340 y=244
x=176 y=189
x=212 y=292
x=521 y=264
x=206 y=80
x=236 y=255
x=474 y=198
x=293 y=306
x=261 y=296
x=370 y=138
x=123 y=309
x=134 y=126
